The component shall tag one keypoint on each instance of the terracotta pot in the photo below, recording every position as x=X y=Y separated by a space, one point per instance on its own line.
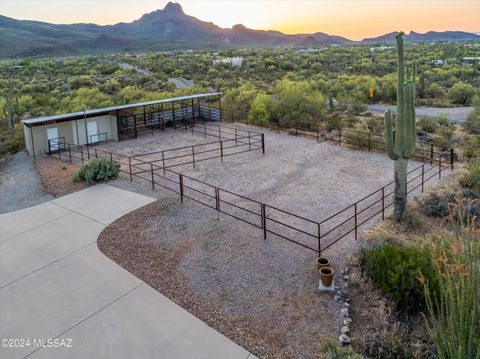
x=326 y=276
x=322 y=262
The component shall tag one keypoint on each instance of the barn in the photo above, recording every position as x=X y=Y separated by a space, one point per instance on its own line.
x=118 y=123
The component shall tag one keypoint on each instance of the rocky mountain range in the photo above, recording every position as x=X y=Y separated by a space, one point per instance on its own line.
x=169 y=28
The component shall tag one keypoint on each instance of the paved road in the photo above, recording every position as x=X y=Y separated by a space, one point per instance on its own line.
x=20 y=185
x=180 y=82
x=55 y=283
x=456 y=114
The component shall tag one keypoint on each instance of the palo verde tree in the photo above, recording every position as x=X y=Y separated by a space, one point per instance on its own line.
x=401 y=141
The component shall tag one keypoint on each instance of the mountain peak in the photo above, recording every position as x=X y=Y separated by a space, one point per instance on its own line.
x=239 y=27
x=173 y=7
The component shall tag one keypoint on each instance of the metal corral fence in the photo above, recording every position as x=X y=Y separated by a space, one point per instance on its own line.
x=156 y=169
x=350 y=137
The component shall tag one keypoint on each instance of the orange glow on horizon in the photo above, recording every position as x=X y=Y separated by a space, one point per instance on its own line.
x=354 y=19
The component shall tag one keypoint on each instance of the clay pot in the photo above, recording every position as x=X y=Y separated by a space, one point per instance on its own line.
x=322 y=262
x=326 y=276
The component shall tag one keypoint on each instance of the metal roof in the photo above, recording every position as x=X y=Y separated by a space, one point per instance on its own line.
x=104 y=111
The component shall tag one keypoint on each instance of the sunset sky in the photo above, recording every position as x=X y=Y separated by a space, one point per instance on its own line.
x=354 y=19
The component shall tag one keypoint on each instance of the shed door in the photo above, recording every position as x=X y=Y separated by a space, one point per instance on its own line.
x=92 y=131
x=52 y=136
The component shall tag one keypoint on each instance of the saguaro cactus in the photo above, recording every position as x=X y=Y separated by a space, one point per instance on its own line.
x=401 y=141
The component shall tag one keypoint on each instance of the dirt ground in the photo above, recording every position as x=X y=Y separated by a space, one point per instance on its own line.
x=270 y=284
x=56 y=176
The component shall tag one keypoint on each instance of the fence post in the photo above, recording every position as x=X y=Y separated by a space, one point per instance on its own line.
x=163 y=162
x=205 y=129
x=356 y=230
x=130 y=167
x=221 y=151
x=452 y=154
x=264 y=220
x=217 y=202
x=340 y=136
x=369 y=141
x=153 y=181
x=383 y=203
x=69 y=154
x=431 y=151
x=96 y=155
x=319 y=240
x=81 y=152
x=440 y=167
x=317 y=135
x=181 y=186
x=88 y=152
x=59 y=151
x=193 y=156
x=249 y=145
x=423 y=176
x=263 y=143
x=236 y=138
x=111 y=159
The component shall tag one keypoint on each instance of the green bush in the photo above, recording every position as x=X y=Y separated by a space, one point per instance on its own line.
x=461 y=93
x=97 y=169
x=472 y=123
x=396 y=271
x=471 y=147
x=471 y=179
x=428 y=124
x=437 y=204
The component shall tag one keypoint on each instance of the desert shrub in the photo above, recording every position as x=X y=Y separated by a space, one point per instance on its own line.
x=410 y=221
x=467 y=193
x=442 y=143
x=376 y=125
x=428 y=124
x=332 y=350
x=358 y=137
x=461 y=93
x=471 y=212
x=453 y=304
x=351 y=121
x=11 y=141
x=472 y=123
x=396 y=271
x=471 y=179
x=437 y=204
x=97 y=169
x=333 y=123
x=471 y=147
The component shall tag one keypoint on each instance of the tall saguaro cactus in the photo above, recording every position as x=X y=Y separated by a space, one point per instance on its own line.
x=401 y=141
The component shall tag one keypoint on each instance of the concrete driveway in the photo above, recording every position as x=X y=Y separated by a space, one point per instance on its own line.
x=56 y=284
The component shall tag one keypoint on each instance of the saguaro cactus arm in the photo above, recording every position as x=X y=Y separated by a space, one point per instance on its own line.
x=389 y=135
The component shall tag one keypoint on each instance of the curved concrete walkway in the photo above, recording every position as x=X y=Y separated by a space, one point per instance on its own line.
x=55 y=283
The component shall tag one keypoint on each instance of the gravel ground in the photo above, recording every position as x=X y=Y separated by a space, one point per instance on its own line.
x=56 y=176
x=20 y=185
x=272 y=284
